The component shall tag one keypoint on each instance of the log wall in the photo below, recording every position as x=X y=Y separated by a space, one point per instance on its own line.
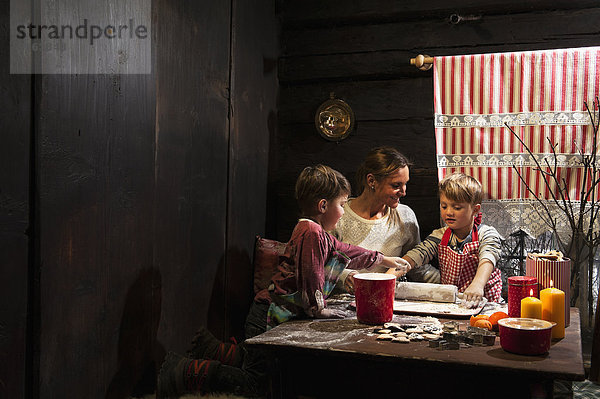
x=129 y=203
x=360 y=51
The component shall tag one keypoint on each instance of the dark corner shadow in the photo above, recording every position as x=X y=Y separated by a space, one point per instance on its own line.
x=272 y=187
x=231 y=296
x=239 y=291
x=269 y=65
x=500 y=353
x=216 y=306
x=139 y=353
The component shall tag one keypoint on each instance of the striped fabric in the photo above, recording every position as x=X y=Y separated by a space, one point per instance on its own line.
x=541 y=95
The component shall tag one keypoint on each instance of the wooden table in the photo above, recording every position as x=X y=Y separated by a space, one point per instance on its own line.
x=342 y=358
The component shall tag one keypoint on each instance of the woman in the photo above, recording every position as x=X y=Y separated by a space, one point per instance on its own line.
x=376 y=220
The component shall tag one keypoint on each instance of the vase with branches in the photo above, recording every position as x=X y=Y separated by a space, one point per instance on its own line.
x=581 y=217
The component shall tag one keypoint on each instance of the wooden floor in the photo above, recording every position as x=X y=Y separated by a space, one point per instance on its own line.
x=562 y=390
x=580 y=389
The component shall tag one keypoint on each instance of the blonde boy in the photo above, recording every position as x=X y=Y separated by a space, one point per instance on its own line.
x=467 y=250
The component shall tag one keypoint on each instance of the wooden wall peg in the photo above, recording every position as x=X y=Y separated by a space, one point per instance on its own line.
x=423 y=62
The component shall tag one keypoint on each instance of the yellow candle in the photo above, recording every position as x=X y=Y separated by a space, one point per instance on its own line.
x=531 y=307
x=553 y=309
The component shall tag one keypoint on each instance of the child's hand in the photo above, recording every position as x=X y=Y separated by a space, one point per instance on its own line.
x=326 y=313
x=399 y=266
x=472 y=296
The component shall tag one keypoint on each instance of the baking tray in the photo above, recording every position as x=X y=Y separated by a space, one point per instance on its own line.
x=438 y=309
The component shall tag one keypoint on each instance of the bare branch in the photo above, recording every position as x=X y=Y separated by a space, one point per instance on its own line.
x=544 y=216
x=581 y=218
x=562 y=190
x=565 y=206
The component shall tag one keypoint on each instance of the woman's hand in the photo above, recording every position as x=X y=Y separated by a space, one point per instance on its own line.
x=473 y=295
x=326 y=313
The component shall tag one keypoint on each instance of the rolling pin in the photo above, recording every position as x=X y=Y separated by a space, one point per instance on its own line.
x=426 y=292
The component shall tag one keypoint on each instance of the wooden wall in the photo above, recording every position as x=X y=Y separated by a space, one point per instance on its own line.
x=129 y=203
x=360 y=50
x=15 y=229
x=253 y=115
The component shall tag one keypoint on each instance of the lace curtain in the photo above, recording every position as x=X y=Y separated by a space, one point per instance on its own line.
x=540 y=95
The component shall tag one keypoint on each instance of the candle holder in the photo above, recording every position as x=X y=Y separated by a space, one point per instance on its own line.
x=520 y=287
x=559 y=271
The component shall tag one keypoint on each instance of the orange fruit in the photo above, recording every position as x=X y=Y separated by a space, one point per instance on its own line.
x=482 y=323
x=494 y=317
x=474 y=319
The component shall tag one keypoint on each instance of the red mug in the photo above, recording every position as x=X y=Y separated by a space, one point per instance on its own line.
x=374 y=295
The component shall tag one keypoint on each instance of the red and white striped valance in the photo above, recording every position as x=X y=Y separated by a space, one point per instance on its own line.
x=541 y=95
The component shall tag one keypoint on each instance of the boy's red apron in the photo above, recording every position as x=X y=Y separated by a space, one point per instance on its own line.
x=459 y=268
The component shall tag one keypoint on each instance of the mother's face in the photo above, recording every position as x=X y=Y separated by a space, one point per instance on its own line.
x=390 y=189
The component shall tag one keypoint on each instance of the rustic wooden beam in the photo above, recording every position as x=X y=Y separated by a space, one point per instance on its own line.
x=297 y=13
x=531 y=28
x=394 y=64
x=370 y=100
